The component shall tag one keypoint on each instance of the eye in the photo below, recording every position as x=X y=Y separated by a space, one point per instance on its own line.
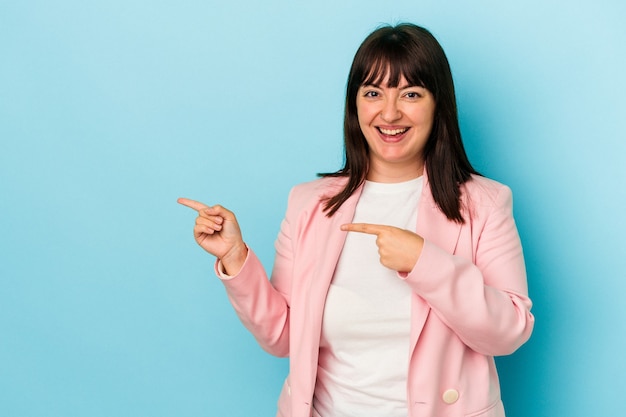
x=371 y=93
x=412 y=94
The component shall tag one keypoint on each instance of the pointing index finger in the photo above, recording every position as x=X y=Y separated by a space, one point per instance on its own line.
x=370 y=229
x=192 y=204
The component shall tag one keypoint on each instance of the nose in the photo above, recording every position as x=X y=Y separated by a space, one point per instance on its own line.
x=390 y=111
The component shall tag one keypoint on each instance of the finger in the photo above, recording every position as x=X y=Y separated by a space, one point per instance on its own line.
x=371 y=229
x=192 y=204
x=206 y=214
x=218 y=211
x=213 y=224
x=201 y=229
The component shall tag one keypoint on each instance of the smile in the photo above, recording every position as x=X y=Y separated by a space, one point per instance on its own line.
x=392 y=132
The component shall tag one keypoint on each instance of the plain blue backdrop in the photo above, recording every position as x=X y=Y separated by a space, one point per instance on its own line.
x=110 y=110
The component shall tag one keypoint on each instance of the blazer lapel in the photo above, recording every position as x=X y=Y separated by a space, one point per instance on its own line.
x=435 y=227
x=329 y=242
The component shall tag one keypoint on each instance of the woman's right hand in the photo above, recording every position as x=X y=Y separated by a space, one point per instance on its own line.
x=217 y=231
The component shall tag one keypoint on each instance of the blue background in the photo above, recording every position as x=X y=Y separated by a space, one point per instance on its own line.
x=110 y=110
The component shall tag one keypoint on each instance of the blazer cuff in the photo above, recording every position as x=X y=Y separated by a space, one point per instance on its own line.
x=221 y=273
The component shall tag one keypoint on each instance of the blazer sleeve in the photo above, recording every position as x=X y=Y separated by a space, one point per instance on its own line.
x=485 y=303
x=262 y=304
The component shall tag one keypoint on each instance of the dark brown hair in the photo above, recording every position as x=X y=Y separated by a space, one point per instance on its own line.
x=412 y=52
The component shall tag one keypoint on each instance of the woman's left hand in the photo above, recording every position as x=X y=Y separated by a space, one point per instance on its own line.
x=399 y=249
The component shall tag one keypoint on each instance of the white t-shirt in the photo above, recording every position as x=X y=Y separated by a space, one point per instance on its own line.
x=364 y=346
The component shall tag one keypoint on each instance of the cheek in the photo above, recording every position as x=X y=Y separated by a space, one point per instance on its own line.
x=360 y=115
x=366 y=112
x=425 y=117
x=430 y=114
x=363 y=122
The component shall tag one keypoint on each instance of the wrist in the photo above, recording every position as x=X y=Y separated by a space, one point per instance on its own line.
x=233 y=260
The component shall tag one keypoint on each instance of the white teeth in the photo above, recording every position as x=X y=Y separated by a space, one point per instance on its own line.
x=392 y=132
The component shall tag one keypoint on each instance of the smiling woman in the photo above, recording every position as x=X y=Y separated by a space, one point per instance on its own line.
x=404 y=314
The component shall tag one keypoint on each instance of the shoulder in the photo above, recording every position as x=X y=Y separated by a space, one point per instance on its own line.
x=484 y=194
x=306 y=203
x=312 y=192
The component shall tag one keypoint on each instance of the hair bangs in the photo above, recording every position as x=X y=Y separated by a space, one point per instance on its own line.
x=389 y=62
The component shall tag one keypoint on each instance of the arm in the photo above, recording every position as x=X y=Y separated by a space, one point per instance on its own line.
x=486 y=304
x=261 y=308
x=263 y=305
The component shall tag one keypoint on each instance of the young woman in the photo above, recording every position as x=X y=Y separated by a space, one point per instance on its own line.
x=398 y=278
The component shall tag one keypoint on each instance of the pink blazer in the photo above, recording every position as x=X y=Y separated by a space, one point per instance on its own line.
x=470 y=298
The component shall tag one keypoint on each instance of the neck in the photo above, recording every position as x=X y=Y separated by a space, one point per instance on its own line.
x=391 y=174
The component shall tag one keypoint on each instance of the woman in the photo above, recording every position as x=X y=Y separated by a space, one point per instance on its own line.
x=398 y=278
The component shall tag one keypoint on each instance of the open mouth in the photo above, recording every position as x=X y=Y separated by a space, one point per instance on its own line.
x=392 y=132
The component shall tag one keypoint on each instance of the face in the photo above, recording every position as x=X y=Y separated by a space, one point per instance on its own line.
x=396 y=123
